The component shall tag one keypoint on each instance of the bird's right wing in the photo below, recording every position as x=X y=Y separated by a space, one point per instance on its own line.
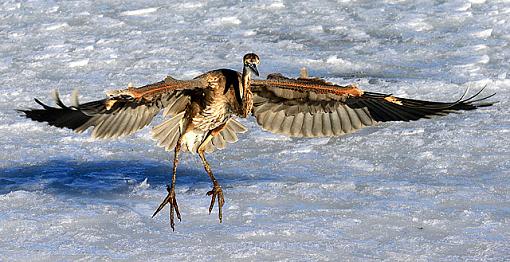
x=123 y=112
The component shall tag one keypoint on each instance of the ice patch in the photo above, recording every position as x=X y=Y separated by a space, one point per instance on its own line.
x=249 y=33
x=56 y=26
x=277 y=5
x=337 y=61
x=478 y=47
x=314 y=29
x=484 y=59
x=412 y=132
x=228 y=20
x=11 y=6
x=22 y=127
x=191 y=74
x=190 y=5
x=483 y=34
x=464 y=7
x=255 y=234
x=88 y=48
x=420 y=25
x=53 y=9
x=143 y=185
x=79 y=63
x=140 y=12
x=341 y=63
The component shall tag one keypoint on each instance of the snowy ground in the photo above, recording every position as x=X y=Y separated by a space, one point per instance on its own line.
x=428 y=190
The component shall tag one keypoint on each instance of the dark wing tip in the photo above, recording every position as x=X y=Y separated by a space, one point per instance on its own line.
x=388 y=108
x=473 y=102
x=61 y=116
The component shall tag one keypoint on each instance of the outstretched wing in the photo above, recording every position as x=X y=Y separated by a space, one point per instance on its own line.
x=123 y=112
x=311 y=107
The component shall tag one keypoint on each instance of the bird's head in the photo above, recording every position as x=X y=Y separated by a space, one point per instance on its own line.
x=250 y=62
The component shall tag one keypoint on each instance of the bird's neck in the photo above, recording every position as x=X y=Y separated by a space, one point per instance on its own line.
x=247 y=98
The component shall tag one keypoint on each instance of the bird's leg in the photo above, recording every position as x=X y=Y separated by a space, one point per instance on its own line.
x=170 y=198
x=216 y=191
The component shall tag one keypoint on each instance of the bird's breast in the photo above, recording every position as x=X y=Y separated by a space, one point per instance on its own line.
x=214 y=112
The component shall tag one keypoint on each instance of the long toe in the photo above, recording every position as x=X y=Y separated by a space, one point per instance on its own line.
x=221 y=201
x=177 y=209
x=162 y=205
x=213 y=199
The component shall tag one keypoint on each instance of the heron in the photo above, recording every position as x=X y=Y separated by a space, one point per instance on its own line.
x=200 y=114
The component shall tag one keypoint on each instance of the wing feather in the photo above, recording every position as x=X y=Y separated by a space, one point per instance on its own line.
x=317 y=125
x=336 y=124
x=277 y=121
x=344 y=119
x=134 y=121
x=364 y=116
x=219 y=142
x=269 y=119
x=307 y=125
x=99 y=129
x=286 y=125
x=354 y=119
x=108 y=124
x=326 y=125
x=236 y=126
x=174 y=134
x=228 y=135
x=297 y=124
x=167 y=133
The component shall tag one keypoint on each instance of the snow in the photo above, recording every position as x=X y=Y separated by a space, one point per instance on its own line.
x=144 y=11
x=436 y=189
x=82 y=62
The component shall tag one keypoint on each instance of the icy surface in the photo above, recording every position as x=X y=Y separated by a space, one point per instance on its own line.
x=428 y=190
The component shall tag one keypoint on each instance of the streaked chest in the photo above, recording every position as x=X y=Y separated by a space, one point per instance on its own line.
x=214 y=110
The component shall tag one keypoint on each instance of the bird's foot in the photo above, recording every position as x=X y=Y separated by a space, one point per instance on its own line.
x=216 y=192
x=170 y=199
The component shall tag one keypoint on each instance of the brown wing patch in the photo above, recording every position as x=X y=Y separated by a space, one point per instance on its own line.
x=169 y=85
x=308 y=86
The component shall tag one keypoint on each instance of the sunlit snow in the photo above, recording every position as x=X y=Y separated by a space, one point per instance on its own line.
x=436 y=189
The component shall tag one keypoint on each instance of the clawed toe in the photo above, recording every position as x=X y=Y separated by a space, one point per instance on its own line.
x=216 y=192
x=170 y=199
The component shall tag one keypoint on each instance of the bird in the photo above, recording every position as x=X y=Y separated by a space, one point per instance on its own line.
x=201 y=113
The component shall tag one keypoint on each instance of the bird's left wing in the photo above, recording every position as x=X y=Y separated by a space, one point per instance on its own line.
x=123 y=111
x=312 y=107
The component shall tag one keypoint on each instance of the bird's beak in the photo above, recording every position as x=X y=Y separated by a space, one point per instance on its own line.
x=253 y=68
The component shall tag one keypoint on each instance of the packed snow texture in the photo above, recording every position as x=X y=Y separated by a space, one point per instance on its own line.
x=434 y=189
